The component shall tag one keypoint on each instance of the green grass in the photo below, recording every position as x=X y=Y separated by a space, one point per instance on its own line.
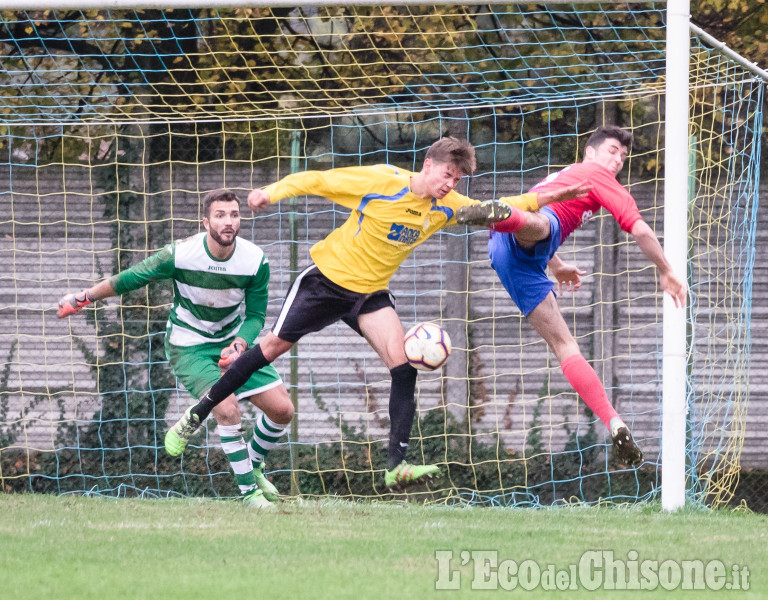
x=82 y=548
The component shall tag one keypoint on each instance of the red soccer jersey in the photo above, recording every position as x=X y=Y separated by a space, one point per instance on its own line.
x=606 y=193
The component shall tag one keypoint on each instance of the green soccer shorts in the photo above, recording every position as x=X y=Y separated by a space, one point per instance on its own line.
x=197 y=368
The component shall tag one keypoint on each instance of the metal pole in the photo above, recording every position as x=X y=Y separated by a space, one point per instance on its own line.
x=294 y=357
x=675 y=248
x=722 y=47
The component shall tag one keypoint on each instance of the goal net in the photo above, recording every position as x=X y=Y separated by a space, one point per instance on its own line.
x=116 y=122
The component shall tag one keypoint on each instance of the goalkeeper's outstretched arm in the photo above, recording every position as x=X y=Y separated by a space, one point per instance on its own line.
x=153 y=268
x=72 y=303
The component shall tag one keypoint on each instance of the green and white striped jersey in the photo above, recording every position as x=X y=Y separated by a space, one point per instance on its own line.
x=213 y=300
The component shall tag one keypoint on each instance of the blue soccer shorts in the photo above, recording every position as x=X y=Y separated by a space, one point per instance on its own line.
x=523 y=271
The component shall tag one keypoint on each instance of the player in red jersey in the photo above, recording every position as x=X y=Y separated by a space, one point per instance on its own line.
x=522 y=246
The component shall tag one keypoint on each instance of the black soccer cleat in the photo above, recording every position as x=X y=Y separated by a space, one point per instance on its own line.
x=626 y=449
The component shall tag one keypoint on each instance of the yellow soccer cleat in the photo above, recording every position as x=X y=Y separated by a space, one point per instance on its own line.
x=177 y=437
x=405 y=474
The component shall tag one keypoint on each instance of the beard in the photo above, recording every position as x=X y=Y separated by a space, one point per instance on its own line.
x=220 y=241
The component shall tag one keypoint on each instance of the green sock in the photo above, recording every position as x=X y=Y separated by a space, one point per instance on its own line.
x=265 y=435
x=237 y=452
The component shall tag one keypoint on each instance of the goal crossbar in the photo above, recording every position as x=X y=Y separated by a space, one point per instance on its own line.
x=178 y=4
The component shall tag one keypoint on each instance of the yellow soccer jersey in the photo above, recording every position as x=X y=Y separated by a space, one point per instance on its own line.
x=387 y=221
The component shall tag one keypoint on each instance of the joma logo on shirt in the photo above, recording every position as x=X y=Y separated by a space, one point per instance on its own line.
x=215 y=268
x=410 y=211
x=403 y=234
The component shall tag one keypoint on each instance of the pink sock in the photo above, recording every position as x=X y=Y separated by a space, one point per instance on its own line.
x=587 y=384
x=512 y=223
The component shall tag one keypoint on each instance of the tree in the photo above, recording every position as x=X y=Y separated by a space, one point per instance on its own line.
x=742 y=25
x=208 y=72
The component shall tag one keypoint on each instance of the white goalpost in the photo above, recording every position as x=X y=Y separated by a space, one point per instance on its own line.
x=676 y=179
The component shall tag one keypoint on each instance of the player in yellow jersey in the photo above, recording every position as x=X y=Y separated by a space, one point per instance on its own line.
x=393 y=211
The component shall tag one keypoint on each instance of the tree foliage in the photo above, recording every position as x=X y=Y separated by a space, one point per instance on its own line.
x=213 y=74
x=742 y=25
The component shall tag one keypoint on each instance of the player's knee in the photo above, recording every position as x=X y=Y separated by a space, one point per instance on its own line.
x=566 y=349
x=282 y=413
x=227 y=413
x=272 y=347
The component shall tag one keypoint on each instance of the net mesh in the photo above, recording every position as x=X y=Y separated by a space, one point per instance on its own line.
x=115 y=123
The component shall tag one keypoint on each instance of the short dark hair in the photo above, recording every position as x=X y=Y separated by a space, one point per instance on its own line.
x=218 y=196
x=452 y=150
x=601 y=134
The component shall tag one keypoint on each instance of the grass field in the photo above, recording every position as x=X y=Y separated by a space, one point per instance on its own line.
x=82 y=548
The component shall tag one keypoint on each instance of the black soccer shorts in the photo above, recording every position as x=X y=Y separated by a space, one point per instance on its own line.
x=313 y=302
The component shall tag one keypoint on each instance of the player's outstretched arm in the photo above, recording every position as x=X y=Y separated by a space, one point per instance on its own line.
x=72 y=303
x=577 y=190
x=344 y=185
x=568 y=276
x=669 y=281
x=159 y=265
x=533 y=201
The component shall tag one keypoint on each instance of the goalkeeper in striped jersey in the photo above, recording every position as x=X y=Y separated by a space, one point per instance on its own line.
x=393 y=211
x=220 y=284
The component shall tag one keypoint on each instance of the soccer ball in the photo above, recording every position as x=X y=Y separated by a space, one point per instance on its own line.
x=427 y=346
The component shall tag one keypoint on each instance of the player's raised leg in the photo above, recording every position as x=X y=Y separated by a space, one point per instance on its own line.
x=548 y=321
x=384 y=332
x=508 y=213
x=195 y=367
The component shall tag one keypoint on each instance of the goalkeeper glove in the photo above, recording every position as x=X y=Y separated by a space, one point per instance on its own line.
x=231 y=353
x=72 y=303
x=483 y=213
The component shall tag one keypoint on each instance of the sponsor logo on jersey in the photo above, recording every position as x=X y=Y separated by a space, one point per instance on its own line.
x=410 y=211
x=217 y=268
x=586 y=216
x=403 y=234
